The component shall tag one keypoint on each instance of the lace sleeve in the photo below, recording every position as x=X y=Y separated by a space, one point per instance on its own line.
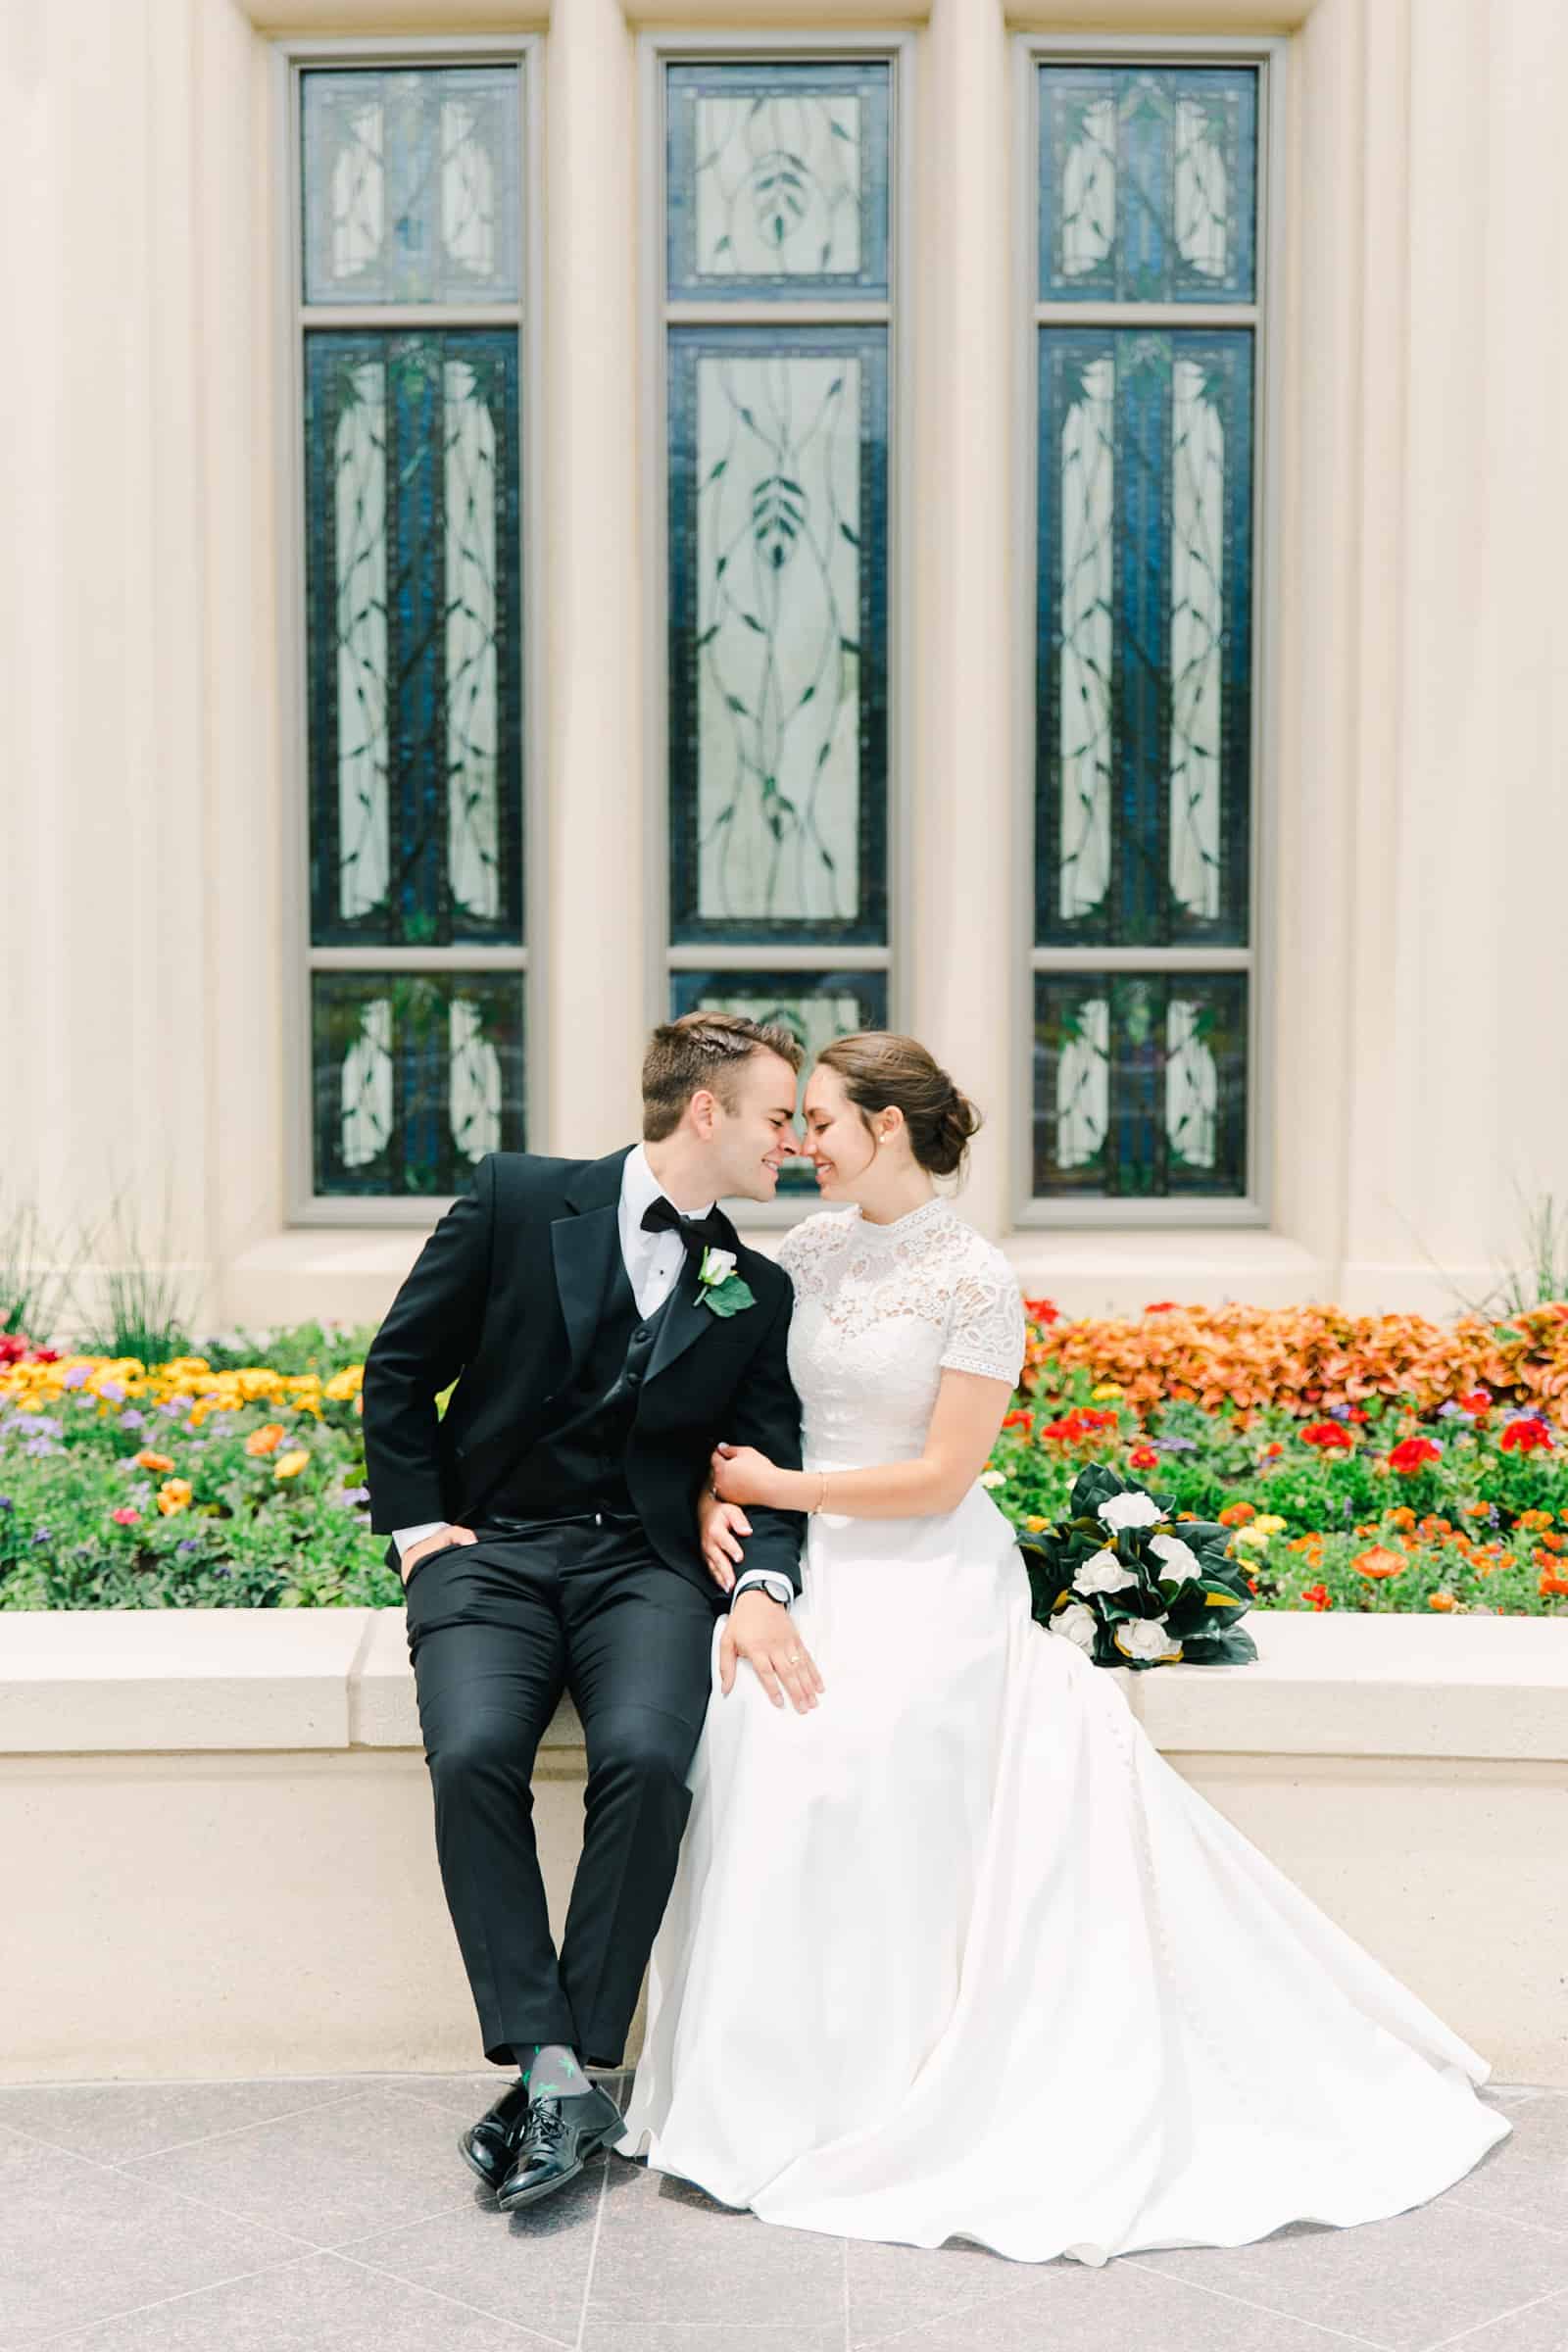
x=985 y=1332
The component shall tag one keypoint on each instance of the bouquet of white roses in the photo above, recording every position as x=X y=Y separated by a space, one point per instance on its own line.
x=1116 y=1577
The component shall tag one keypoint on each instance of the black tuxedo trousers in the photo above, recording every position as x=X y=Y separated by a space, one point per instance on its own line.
x=497 y=1630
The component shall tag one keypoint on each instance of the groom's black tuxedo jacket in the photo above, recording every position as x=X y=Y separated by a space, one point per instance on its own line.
x=503 y=1300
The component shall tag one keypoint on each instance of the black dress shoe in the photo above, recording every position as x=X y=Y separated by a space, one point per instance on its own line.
x=559 y=2135
x=490 y=2144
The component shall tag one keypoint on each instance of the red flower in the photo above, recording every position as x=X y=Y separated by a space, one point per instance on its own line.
x=1529 y=1436
x=1329 y=1434
x=1043 y=1310
x=1477 y=1401
x=1409 y=1455
x=1024 y=1421
x=1161 y=1306
x=1356 y=1412
x=1318 y=1595
x=1144 y=1458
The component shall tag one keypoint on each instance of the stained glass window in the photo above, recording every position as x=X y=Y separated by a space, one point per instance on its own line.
x=777 y=182
x=410 y=184
x=813 y=1007
x=1143 y=629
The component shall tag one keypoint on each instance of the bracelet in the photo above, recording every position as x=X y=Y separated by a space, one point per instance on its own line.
x=821 y=1500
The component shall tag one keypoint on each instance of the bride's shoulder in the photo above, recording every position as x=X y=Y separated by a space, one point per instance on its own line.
x=971 y=1252
x=810 y=1237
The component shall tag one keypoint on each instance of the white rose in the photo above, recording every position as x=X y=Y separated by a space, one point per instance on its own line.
x=1182 y=1558
x=1147 y=1637
x=1103 y=1573
x=1077 y=1623
x=1130 y=1510
x=717 y=1265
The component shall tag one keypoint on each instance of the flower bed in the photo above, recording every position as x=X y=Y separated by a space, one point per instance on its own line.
x=1372 y=1462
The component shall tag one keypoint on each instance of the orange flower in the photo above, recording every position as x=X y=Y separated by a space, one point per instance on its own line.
x=1402 y=1516
x=1477 y=1509
x=1440 y=1600
x=174 y=1496
x=1237 y=1515
x=1550 y=1582
x=152 y=1461
x=1534 y=1519
x=1377 y=1562
x=265 y=1440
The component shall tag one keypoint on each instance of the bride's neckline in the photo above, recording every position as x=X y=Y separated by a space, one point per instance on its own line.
x=909 y=1222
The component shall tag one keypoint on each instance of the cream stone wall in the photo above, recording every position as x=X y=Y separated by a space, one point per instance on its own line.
x=1416 y=650
x=221 y=1819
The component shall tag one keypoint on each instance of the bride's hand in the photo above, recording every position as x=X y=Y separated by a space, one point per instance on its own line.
x=717 y=1525
x=740 y=1474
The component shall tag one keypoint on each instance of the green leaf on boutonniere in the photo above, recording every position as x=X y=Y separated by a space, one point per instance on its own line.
x=727 y=1298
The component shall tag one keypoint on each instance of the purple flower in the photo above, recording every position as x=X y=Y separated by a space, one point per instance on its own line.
x=40 y=1445
x=189 y=1544
x=354 y=1495
x=6 y=1504
x=23 y=1420
x=41 y=1535
x=76 y=1377
x=113 y=1390
x=1166 y=1446
x=1340 y=1412
x=132 y=1419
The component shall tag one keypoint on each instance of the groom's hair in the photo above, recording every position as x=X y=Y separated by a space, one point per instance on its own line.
x=703 y=1049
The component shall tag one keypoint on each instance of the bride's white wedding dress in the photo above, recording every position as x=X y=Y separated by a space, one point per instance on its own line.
x=958 y=1953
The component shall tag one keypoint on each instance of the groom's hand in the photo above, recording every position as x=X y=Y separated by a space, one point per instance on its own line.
x=433 y=1542
x=758 y=1631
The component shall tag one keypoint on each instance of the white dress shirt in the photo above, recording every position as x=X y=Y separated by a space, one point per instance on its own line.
x=652 y=1259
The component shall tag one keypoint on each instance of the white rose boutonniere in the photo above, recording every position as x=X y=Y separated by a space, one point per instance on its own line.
x=720 y=1287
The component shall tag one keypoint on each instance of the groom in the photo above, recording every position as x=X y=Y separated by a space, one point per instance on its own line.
x=605 y=1328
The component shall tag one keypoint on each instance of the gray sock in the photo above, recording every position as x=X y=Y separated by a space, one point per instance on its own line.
x=552 y=2070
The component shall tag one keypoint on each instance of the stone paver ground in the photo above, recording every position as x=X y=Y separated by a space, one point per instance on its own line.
x=287 y=2215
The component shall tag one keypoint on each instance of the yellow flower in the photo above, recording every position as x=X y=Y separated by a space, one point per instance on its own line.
x=346 y=1384
x=1107 y=1388
x=174 y=1496
x=289 y=1465
x=1269 y=1524
x=1256 y=1532
x=1034 y=1526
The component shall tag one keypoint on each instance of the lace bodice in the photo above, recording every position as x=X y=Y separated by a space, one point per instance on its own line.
x=880 y=1312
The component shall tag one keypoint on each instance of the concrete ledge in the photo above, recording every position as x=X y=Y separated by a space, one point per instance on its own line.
x=216 y=1829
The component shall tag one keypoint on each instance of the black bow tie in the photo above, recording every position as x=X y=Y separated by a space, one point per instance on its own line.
x=697 y=1233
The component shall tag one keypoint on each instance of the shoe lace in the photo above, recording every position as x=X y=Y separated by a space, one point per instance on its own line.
x=547 y=2126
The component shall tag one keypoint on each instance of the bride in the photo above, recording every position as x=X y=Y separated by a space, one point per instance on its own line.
x=953 y=1951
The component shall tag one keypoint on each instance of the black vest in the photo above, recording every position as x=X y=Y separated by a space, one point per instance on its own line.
x=577 y=1463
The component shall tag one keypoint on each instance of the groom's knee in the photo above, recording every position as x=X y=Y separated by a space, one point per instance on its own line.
x=641 y=1747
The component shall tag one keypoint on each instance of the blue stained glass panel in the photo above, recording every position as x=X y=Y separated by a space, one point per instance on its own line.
x=1144 y=636
x=778 y=634
x=815 y=1006
x=1148 y=184
x=414 y=637
x=778 y=180
x=1140 y=1085
x=412 y=183
x=415 y=1076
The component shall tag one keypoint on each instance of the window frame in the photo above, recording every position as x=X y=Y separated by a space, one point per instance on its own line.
x=294 y=318
x=1263 y=315
x=656 y=313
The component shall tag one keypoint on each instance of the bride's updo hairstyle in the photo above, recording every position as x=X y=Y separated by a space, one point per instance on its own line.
x=882 y=1071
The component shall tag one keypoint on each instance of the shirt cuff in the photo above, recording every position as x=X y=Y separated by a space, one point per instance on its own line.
x=404 y=1536
x=779 y=1586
